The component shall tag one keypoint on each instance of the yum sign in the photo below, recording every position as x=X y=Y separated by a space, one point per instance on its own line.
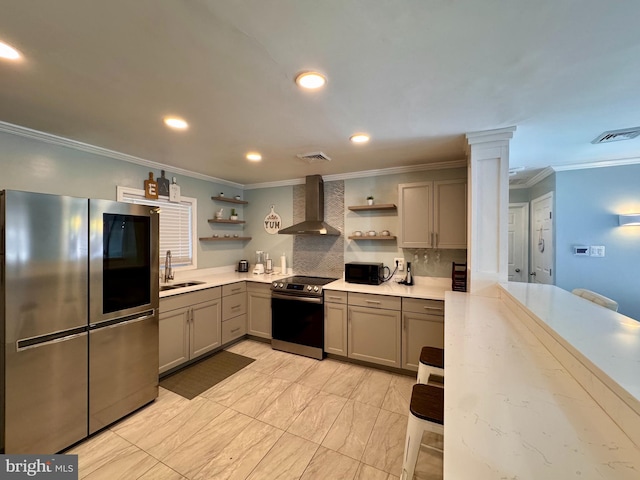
x=272 y=222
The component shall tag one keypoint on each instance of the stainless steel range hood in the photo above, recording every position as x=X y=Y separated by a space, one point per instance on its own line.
x=314 y=223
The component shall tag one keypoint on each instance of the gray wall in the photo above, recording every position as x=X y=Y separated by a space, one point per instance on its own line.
x=32 y=165
x=587 y=206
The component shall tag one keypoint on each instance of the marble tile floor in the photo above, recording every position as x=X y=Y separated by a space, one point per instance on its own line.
x=282 y=417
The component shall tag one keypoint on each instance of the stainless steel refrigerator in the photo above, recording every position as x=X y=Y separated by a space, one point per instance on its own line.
x=78 y=311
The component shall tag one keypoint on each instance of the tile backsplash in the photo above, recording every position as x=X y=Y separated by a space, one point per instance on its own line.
x=431 y=262
x=321 y=255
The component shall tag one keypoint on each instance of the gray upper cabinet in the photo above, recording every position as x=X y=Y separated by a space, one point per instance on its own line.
x=433 y=214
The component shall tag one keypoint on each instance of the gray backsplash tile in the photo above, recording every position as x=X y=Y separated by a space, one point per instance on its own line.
x=431 y=262
x=321 y=255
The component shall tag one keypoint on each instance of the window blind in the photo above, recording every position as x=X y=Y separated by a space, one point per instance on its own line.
x=176 y=225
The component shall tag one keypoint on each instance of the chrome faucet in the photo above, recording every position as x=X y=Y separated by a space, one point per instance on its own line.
x=168 y=271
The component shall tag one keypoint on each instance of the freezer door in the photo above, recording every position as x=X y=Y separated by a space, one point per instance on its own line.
x=123 y=365
x=46 y=401
x=46 y=254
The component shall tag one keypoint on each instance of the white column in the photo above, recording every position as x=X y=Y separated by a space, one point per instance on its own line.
x=488 y=178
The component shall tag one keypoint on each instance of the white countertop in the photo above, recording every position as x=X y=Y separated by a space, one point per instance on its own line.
x=425 y=287
x=512 y=410
x=215 y=277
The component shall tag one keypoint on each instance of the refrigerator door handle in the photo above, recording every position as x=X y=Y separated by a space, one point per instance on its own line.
x=128 y=320
x=28 y=343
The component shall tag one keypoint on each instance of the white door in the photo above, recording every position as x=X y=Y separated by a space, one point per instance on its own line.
x=518 y=264
x=542 y=239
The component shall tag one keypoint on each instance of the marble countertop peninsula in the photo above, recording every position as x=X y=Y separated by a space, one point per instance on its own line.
x=512 y=410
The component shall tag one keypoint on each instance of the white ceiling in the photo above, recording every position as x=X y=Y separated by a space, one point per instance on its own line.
x=415 y=74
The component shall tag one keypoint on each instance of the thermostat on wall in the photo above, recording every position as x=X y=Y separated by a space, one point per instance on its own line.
x=581 y=250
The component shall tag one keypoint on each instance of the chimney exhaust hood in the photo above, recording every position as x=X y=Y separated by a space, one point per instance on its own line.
x=314 y=223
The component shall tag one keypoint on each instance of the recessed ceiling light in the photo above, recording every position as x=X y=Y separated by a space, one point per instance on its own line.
x=176 y=123
x=311 y=80
x=254 y=156
x=8 y=52
x=359 y=138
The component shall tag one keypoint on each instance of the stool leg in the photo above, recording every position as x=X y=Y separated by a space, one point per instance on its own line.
x=411 y=447
x=423 y=374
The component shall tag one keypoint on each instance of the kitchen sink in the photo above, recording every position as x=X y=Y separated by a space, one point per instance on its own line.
x=173 y=286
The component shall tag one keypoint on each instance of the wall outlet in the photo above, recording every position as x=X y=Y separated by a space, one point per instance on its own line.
x=400 y=263
x=597 y=250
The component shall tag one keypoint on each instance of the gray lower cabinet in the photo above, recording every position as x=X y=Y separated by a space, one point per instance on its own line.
x=374 y=329
x=234 y=311
x=422 y=325
x=190 y=326
x=259 y=309
x=335 y=323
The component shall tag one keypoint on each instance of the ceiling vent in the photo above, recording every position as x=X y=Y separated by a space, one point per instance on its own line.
x=313 y=157
x=617 y=135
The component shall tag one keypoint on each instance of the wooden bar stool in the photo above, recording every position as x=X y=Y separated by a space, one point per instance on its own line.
x=426 y=413
x=431 y=363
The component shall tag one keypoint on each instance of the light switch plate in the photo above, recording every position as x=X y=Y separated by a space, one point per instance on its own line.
x=597 y=250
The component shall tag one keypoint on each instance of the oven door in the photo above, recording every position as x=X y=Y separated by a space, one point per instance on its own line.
x=298 y=324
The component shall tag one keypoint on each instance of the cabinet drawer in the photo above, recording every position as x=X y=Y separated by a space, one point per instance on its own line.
x=258 y=287
x=333 y=296
x=375 y=301
x=419 y=305
x=188 y=299
x=234 y=328
x=233 y=288
x=234 y=305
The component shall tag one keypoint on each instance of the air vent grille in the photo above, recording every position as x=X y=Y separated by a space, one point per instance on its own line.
x=617 y=135
x=313 y=157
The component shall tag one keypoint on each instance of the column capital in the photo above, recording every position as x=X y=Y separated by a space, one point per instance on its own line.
x=490 y=138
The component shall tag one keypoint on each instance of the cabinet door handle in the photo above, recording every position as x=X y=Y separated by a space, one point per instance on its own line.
x=437 y=240
x=235 y=330
x=433 y=308
x=373 y=301
x=432 y=242
x=335 y=298
x=235 y=306
x=234 y=290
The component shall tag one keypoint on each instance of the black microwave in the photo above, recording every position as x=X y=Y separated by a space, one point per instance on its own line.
x=361 y=272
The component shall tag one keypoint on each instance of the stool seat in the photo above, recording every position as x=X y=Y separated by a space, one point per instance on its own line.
x=431 y=364
x=432 y=356
x=427 y=403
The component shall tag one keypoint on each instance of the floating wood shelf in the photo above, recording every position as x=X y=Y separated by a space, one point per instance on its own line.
x=222 y=239
x=382 y=206
x=377 y=237
x=224 y=220
x=229 y=200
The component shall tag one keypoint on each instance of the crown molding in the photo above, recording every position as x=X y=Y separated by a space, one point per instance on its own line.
x=365 y=174
x=604 y=163
x=105 y=152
